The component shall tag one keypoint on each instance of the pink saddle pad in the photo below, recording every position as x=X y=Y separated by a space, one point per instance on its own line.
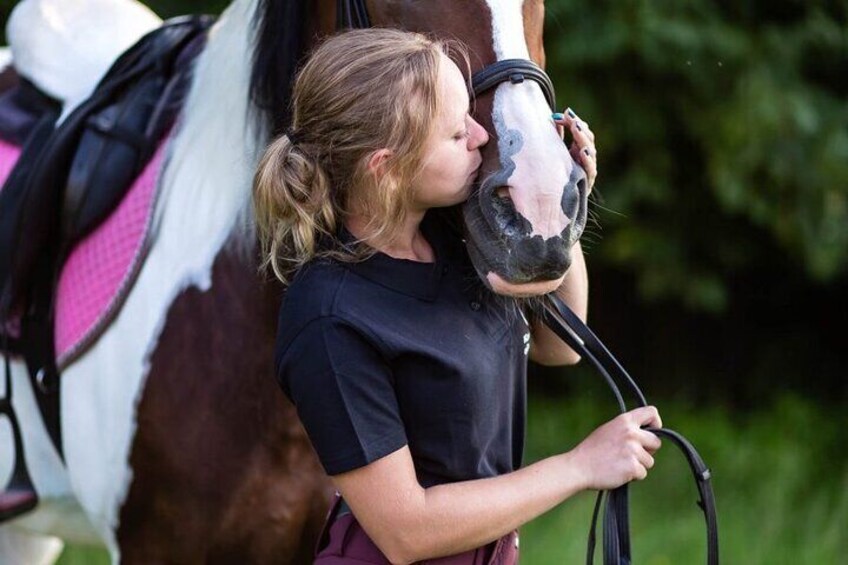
x=9 y=155
x=101 y=269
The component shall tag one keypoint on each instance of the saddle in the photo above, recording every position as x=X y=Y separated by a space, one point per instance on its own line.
x=66 y=182
x=69 y=179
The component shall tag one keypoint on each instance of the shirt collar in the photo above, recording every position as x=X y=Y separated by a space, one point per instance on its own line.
x=412 y=278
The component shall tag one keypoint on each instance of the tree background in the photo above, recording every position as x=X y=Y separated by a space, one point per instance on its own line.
x=720 y=262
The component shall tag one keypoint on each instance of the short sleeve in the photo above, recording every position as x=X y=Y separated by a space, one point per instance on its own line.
x=344 y=394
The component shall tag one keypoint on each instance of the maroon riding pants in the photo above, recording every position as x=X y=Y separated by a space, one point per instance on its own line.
x=344 y=542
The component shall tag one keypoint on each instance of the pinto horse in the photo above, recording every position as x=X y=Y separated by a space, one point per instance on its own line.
x=178 y=447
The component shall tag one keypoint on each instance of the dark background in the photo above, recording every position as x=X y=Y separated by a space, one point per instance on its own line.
x=719 y=252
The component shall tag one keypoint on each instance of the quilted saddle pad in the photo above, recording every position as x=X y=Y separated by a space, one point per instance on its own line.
x=100 y=270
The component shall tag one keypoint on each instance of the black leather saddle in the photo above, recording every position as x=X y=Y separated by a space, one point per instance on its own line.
x=73 y=176
x=67 y=180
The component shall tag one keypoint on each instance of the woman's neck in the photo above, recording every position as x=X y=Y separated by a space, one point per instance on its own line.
x=409 y=243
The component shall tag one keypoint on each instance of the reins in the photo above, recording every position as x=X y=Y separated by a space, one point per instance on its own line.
x=616 y=528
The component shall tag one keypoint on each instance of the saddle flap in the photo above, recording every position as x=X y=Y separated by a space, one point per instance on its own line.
x=64 y=47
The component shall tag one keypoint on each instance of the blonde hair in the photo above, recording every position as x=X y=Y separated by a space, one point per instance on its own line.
x=359 y=92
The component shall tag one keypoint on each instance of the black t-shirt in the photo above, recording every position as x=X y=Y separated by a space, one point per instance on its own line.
x=388 y=352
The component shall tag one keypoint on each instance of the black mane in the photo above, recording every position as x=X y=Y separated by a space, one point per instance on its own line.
x=283 y=29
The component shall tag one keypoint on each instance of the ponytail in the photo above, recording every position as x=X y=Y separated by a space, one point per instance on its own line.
x=359 y=92
x=293 y=206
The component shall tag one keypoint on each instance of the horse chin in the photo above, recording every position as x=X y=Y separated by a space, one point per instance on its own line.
x=523 y=290
x=500 y=279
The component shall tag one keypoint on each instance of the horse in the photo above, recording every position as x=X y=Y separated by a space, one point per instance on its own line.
x=177 y=444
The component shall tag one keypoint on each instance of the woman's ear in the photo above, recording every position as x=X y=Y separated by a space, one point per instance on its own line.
x=377 y=162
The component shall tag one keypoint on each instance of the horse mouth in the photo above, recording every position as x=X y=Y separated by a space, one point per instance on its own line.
x=502 y=278
x=508 y=259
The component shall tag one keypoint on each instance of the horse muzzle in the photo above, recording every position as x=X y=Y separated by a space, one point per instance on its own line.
x=507 y=255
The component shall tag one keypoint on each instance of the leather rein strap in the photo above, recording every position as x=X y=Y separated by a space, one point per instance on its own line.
x=616 y=532
x=515 y=71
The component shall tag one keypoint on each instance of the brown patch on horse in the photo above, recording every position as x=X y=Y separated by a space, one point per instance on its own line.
x=534 y=27
x=449 y=19
x=223 y=471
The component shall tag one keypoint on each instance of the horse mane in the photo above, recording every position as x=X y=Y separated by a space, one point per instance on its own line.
x=281 y=43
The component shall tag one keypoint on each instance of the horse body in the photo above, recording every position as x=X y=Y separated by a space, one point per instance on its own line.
x=203 y=203
x=178 y=445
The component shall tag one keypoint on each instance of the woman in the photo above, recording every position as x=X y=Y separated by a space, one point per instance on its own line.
x=413 y=401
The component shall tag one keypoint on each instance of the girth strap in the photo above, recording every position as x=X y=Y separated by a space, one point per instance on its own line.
x=515 y=71
x=580 y=338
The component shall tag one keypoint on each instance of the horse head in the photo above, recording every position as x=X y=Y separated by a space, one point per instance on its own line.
x=530 y=205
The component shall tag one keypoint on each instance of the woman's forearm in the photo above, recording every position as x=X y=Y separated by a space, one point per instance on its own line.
x=460 y=516
x=409 y=523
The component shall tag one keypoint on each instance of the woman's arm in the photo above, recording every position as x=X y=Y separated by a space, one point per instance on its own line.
x=545 y=347
x=409 y=523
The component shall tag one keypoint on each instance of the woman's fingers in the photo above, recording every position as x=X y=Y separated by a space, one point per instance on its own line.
x=561 y=124
x=646 y=416
x=587 y=159
x=646 y=460
x=650 y=441
x=582 y=148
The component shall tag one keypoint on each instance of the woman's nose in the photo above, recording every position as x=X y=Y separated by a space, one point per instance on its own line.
x=479 y=136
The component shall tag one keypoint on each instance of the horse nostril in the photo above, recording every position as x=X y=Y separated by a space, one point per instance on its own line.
x=502 y=193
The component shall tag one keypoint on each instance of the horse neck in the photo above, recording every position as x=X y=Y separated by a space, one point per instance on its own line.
x=206 y=183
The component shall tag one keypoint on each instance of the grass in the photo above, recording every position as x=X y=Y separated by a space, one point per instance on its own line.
x=780 y=475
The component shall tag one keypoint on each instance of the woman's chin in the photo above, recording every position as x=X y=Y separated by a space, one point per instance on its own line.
x=500 y=286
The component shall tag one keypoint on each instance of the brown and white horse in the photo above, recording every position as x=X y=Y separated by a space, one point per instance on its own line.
x=178 y=445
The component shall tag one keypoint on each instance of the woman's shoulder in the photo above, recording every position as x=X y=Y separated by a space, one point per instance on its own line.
x=321 y=288
x=312 y=289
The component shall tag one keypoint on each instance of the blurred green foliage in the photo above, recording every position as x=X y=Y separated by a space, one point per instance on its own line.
x=779 y=474
x=723 y=136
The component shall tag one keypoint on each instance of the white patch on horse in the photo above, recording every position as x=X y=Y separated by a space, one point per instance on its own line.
x=203 y=204
x=5 y=58
x=59 y=513
x=65 y=47
x=535 y=192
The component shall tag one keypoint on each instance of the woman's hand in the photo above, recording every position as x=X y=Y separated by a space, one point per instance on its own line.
x=618 y=451
x=582 y=147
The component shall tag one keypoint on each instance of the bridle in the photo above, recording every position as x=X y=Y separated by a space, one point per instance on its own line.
x=616 y=529
x=352 y=14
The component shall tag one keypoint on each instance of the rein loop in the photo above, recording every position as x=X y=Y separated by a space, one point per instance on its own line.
x=616 y=528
